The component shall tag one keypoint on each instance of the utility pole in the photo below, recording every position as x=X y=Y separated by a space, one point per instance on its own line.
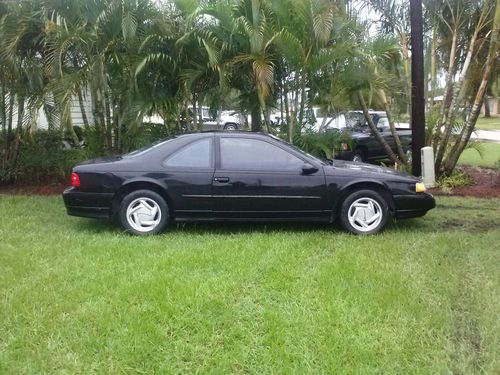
x=417 y=85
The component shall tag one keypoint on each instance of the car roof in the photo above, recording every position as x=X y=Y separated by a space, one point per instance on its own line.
x=235 y=133
x=225 y=132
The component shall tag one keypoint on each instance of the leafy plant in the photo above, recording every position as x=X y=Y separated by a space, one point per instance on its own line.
x=323 y=145
x=43 y=158
x=458 y=178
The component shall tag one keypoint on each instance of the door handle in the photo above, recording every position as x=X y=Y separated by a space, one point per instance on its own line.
x=221 y=179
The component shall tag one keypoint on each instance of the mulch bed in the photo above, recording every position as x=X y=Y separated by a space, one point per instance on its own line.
x=36 y=189
x=486 y=185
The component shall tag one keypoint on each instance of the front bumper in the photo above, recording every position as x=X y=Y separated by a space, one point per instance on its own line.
x=85 y=204
x=408 y=206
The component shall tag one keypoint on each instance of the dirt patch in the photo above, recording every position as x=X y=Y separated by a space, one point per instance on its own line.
x=38 y=189
x=486 y=184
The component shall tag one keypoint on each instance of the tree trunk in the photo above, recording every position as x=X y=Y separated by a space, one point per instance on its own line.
x=282 y=106
x=10 y=117
x=109 y=123
x=117 y=124
x=394 y=133
x=295 y=104
x=433 y=67
x=98 y=112
x=287 y=110
x=456 y=98
x=3 y=114
x=66 y=121
x=191 y=120
x=493 y=51
x=302 y=98
x=374 y=129
x=256 y=120
x=404 y=40
x=18 y=133
x=262 y=109
x=487 y=113
x=3 y=119
x=199 y=122
x=82 y=110
x=448 y=91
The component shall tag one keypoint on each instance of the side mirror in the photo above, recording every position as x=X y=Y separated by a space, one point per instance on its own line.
x=308 y=168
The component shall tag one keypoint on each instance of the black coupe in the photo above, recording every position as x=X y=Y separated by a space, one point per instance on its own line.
x=239 y=176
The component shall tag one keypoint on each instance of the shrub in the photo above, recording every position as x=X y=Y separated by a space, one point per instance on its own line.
x=458 y=179
x=43 y=157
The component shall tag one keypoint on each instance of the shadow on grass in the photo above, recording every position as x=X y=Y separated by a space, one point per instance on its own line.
x=203 y=228
x=423 y=225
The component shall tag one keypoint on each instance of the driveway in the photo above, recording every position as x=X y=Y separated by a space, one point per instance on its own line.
x=487 y=135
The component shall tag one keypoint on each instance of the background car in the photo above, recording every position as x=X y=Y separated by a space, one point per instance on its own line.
x=228 y=120
x=230 y=176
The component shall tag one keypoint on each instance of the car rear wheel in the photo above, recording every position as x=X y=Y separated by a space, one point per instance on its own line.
x=231 y=127
x=409 y=155
x=143 y=212
x=364 y=212
x=358 y=156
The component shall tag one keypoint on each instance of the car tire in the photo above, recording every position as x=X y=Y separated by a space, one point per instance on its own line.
x=358 y=156
x=230 y=127
x=143 y=212
x=364 y=212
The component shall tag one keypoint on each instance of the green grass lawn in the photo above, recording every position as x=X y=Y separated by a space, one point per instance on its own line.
x=80 y=296
x=490 y=154
x=492 y=123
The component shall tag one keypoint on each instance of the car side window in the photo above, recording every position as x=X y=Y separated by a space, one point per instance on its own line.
x=256 y=155
x=195 y=155
x=383 y=122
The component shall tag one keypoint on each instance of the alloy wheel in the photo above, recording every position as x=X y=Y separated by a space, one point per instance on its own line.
x=365 y=214
x=143 y=214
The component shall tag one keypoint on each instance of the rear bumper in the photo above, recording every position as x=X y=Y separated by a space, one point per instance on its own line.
x=408 y=206
x=84 y=204
x=344 y=155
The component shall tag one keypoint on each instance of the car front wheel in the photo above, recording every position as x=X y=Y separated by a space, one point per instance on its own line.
x=143 y=212
x=230 y=127
x=364 y=212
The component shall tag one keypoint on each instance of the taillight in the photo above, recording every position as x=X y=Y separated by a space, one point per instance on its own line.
x=75 y=180
x=345 y=146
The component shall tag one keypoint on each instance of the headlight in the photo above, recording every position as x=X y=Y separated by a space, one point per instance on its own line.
x=420 y=187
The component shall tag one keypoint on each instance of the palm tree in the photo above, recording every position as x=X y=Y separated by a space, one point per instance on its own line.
x=22 y=83
x=464 y=21
x=493 y=52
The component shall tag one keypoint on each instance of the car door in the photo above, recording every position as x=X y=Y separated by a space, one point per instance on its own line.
x=188 y=175
x=257 y=178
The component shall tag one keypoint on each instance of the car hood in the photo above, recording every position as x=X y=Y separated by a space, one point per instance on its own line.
x=364 y=168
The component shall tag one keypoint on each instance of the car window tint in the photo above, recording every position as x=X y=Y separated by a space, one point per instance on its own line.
x=148 y=148
x=195 y=155
x=256 y=155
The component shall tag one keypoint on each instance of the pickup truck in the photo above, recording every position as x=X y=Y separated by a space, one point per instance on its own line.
x=364 y=146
